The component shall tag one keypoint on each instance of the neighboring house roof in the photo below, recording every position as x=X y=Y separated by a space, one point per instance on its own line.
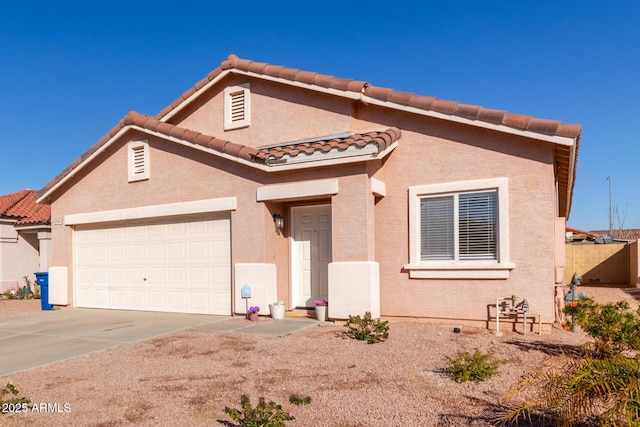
x=565 y=137
x=579 y=231
x=22 y=207
x=625 y=234
x=578 y=235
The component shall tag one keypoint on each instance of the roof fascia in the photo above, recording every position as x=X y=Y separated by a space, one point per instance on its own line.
x=33 y=227
x=572 y=176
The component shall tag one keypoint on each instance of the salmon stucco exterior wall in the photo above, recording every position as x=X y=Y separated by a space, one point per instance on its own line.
x=371 y=156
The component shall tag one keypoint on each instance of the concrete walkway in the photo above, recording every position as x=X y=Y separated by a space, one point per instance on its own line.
x=50 y=336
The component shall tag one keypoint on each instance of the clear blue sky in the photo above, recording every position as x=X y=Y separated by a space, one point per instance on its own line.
x=70 y=70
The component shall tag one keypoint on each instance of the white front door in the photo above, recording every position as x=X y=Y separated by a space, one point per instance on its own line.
x=310 y=253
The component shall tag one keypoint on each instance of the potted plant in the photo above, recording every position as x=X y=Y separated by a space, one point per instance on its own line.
x=321 y=310
x=252 y=312
x=277 y=310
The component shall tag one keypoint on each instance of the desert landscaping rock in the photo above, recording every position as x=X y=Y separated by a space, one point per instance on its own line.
x=186 y=378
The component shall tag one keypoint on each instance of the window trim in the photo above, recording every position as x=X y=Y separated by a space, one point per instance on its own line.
x=133 y=148
x=229 y=92
x=466 y=269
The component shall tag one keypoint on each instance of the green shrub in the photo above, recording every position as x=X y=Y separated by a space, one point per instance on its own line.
x=263 y=415
x=614 y=327
x=367 y=329
x=12 y=390
x=603 y=387
x=299 y=400
x=474 y=367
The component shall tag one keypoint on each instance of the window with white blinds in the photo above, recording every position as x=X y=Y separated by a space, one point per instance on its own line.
x=459 y=230
x=459 y=227
x=477 y=225
x=436 y=228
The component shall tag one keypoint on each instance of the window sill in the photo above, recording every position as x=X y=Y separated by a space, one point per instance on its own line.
x=460 y=270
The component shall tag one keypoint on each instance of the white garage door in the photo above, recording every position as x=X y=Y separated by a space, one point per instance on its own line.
x=177 y=266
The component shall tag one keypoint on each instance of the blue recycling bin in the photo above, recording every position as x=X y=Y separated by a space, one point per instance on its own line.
x=42 y=279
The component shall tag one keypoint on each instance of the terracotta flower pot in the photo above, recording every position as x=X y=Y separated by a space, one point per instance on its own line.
x=253 y=317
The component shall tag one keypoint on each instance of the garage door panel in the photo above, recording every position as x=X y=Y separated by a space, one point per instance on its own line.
x=199 y=276
x=117 y=253
x=85 y=297
x=117 y=235
x=101 y=276
x=199 y=301
x=156 y=275
x=136 y=253
x=221 y=300
x=136 y=276
x=177 y=301
x=177 y=229
x=156 y=300
x=199 y=251
x=119 y=298
x=101 y=297
x=155 y=252
x=186 y=266
x=177 y=251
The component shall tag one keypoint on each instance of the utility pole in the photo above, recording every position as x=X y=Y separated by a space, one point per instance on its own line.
x=610 y=211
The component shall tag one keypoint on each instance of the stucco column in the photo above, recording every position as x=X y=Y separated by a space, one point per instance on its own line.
x=44 y=240
x=354 y=276
x=353 y=220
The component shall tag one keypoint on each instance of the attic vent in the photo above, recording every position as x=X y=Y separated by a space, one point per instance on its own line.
x=237 y=107
x=138 y=161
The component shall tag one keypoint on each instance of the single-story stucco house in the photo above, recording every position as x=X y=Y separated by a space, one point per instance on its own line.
x=25 y=239
x=305 y=186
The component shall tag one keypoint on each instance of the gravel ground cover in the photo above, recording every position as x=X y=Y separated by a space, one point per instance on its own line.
x=186 y=378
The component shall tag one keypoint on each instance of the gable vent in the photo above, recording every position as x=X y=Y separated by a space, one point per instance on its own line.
x=236 y=107
x=138 y=161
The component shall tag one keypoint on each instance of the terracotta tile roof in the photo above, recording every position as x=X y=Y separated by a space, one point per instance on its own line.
x=577 y=230
x=566 y=155
x=407 y=99
x=22 y=206
x=625 y=234
x=263 y=155
x=382 y=140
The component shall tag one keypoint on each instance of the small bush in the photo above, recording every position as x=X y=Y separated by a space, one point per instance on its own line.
x=367 y=329
x=299 y=400
x=474 y=367
x=12 y=390
x=614 y=327
x=263 y=415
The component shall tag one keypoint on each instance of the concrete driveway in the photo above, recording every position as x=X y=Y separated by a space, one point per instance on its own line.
x=50 y=336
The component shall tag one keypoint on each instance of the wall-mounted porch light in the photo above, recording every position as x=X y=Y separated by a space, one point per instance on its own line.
x=278 y=220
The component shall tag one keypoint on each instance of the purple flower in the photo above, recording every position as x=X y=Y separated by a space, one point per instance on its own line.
x=321 y=303
x=253 y=310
